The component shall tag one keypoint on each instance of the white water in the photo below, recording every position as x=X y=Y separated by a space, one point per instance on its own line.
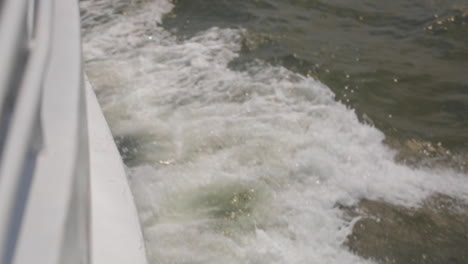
x=238 y=167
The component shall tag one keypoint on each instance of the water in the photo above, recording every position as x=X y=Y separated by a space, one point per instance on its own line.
x=247 y=127
x=401 y=64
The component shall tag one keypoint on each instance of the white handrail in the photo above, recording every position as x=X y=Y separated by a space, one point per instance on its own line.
x=45 y=184
x=55 y=225
x=22 y=132
x=13 y=43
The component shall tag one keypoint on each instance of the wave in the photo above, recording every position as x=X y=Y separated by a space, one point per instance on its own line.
x=238 y=166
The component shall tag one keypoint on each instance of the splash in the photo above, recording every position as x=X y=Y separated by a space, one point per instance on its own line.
x=238 y=167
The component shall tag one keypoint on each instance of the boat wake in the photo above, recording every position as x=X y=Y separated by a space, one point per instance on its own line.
x=237 y=166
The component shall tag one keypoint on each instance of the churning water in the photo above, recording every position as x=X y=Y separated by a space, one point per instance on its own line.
x=234 y=157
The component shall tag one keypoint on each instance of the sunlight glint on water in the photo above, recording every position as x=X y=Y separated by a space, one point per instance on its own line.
x=237 y=167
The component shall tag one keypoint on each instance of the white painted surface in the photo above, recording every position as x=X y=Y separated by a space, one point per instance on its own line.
x=53 y=225
x=115 y=230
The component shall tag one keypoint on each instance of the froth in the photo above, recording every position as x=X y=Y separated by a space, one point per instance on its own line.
x=239 y=167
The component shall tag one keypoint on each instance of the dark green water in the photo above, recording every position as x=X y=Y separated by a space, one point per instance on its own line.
x=233 y=161
x=402 y=65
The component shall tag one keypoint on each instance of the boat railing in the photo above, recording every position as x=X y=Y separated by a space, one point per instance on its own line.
x=44 y=158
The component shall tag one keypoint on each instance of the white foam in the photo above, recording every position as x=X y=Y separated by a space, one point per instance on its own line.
x=269 y=137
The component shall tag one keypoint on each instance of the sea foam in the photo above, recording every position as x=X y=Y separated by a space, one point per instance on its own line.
x=238 y=167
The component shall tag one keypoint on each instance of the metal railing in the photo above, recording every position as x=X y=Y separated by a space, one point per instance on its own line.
x=44 y=162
